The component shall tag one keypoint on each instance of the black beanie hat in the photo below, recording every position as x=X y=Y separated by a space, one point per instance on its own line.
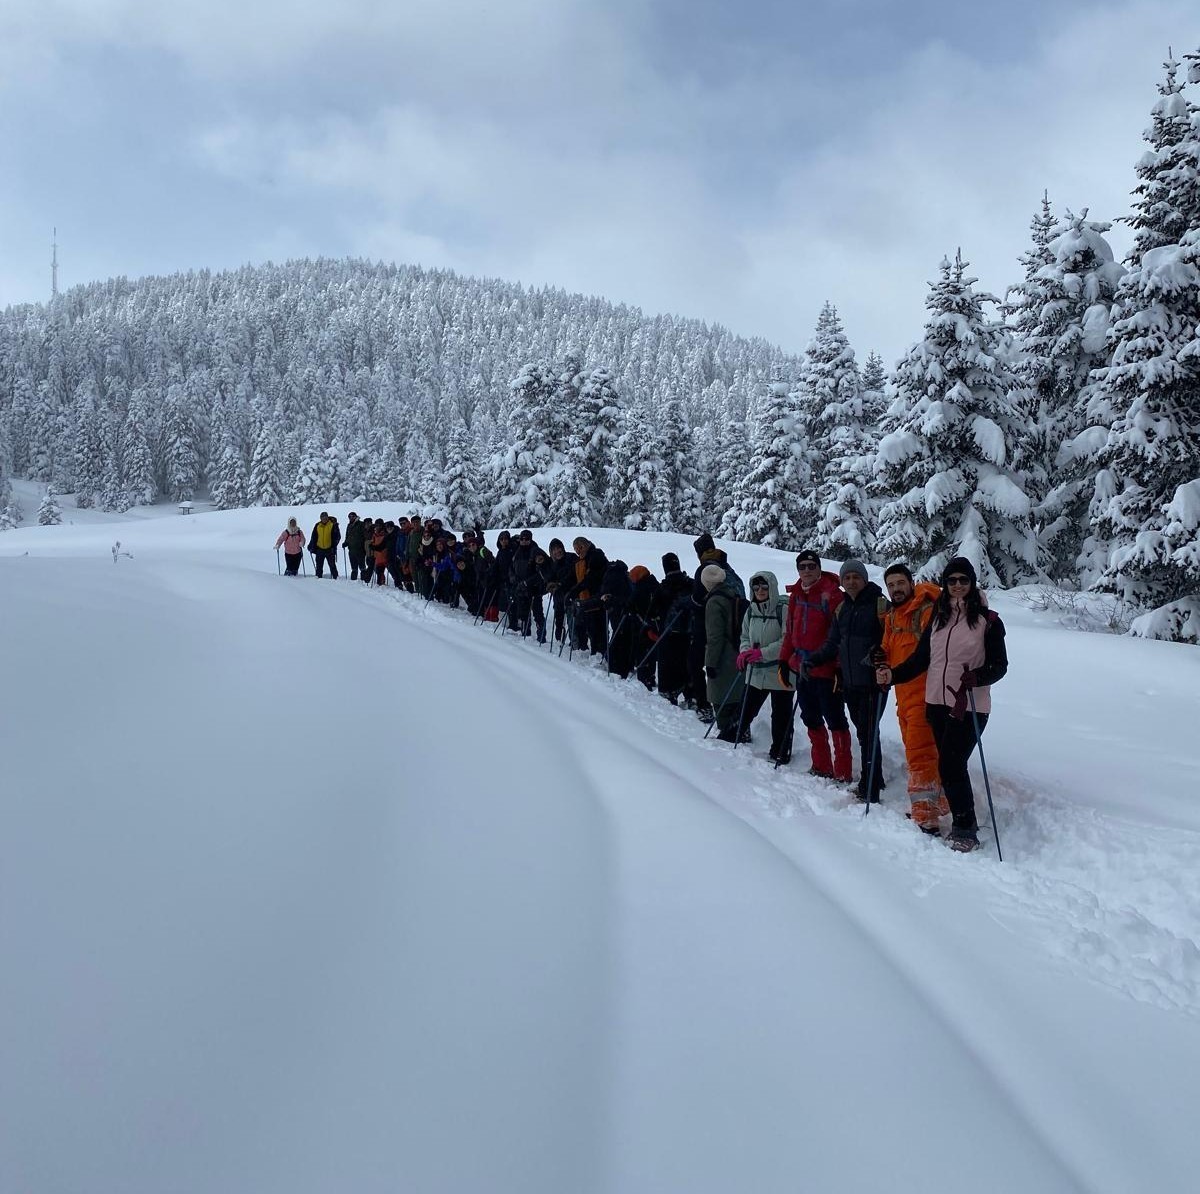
x=704 y=543
x=960 y=565
x=670 y=562
x=808 y=555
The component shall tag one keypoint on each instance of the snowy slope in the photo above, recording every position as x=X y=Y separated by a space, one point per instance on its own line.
x=309 y=887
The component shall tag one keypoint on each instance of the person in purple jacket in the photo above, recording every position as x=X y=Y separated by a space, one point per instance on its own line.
x=962 y=651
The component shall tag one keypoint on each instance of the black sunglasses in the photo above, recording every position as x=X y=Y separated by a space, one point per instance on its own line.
x=958 y=580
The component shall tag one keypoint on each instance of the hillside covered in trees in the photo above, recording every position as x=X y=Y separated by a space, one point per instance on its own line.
x=1053 y=434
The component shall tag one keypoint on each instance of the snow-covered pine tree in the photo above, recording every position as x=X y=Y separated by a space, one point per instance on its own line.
x=772 y=501
x=181 y=443
x=266 y=487
x=525 y=470
x=874 y=376
x=597 y=424
x=49 y=512
x=840 y=445
x=460 y=480
x=88 y=450
x=943 y=462
x=1149 y=395
x=314 y=481
x=639 y=494
x=1066 y=312
x=230 y=483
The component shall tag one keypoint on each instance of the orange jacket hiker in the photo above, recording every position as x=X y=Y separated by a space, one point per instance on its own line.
x=903 y=626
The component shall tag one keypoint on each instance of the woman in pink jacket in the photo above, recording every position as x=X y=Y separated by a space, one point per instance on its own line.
x=291 y=538
x=962 y=650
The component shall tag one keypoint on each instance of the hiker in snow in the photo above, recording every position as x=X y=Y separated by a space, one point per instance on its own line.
x=910 y=607
x=962 y=653
x=377 y=545
x=616 y=592
x=465 y=567
x=416 y=533
x=479 y=563
x=675 y=620
x=707 y=552
x=527 y=608
x=643 y=614
x=854 y=637
x=443 y=572
x=722 y=634
x=356 y=547
x=291 y=539
x=591 y=625
x=500 y=582
x=558 y=575
x=323 y=543
x=397 y=543
x=758 y=660
x=812 y=601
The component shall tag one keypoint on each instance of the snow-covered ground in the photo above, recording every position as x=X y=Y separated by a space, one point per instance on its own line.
x=308 y=887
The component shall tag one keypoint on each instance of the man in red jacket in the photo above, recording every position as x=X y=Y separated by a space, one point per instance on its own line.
x=812 y=601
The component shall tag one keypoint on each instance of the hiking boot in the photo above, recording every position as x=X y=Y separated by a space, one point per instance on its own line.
x=963 y=840
x=705 y=714
x=924 y=816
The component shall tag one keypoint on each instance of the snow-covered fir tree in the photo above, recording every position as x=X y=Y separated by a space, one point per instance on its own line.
x=1149 y=395
x=596 y=425
x=1067 y=310
x=461 y=497
x=49 y=511
x=525 y=471
x=943 y=462
x=840 y=445
x=771 y=504
x=265 y=486
x=638 y=475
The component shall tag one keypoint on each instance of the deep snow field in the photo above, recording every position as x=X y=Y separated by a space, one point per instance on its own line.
x=309 y=887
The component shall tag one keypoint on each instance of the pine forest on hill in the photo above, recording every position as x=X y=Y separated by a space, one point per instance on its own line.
x=1052 y=435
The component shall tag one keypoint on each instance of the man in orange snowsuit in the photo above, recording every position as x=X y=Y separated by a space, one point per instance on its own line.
x=907 y=616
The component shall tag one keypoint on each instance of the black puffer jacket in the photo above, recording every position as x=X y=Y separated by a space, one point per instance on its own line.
x=856 y=630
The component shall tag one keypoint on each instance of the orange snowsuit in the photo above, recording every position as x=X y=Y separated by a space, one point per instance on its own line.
x=903 y=626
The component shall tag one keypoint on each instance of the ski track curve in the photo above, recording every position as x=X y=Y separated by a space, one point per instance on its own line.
x=1115 y=901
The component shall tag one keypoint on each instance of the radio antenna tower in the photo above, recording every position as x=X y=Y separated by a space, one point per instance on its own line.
x=54 y=264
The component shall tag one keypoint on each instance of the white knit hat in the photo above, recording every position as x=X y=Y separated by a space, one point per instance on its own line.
x=711 y=576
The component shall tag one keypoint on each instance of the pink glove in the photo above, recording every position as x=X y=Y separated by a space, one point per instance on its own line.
x=754 y=655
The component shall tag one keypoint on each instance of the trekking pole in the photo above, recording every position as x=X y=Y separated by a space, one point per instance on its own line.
x=304 y=564
x=877 y=717
x=987 y=783
x=345 y=560
x=483 y=609
x=278 y=566
x=658 y=641
x=547 y=617
x=737 y=737
x=791 y=725
x=724 y=701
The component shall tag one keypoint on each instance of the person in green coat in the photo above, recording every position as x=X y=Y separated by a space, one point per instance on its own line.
x=722 y=633
x=758 y=660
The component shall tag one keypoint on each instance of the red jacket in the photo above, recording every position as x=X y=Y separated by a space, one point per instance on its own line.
x=809 y=617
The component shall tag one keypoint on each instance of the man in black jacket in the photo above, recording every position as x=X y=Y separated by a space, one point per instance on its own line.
x=675 y=618
x=527 y=589
x=855 y=634
x=356 y=546
x=558 y=575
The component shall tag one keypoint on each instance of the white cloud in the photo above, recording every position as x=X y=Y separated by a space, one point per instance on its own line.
x=539 y=140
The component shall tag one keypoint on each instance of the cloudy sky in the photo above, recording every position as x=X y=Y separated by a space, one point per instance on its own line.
x=724 y=159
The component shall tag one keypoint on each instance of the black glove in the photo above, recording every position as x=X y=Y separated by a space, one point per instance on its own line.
x=711 y=672
x=969 y=678
x=878 y=656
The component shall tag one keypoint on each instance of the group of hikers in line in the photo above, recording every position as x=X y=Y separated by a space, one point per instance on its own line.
x=830 y=647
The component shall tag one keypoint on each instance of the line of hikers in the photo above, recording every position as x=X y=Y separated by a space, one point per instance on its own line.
x=829 y=648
